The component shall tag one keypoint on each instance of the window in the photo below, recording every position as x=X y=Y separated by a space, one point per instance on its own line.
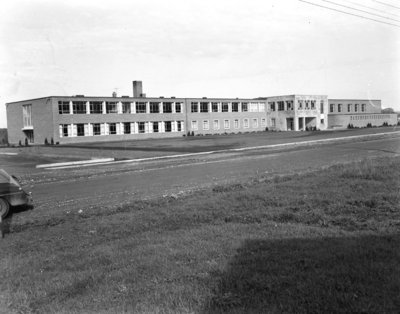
x=63 y=107
x=225 y=107
x=331 y=107
x=289 y=105
x=322 y=121
x=167 y=107
x=80 y=128
x=206 y=125
x=216 y=124
x=111 y=107
x=112 y=128
x=236 y=123
x=178 y=107
x=154 y=107
x=194 y=107
x=96 y=107
x=126 y=107
x=244 y=107
x=155 y=127
x=253 y=107
x=339 y=107
x=226 y=124
x=255 y=123
x=363 y=107
x=356 y=108
x=281 y=106
x=64 y=130
x=312 y=104
x=179 y=125
x=299 y=104
x=127 y=128
x=263 y=122
x=168 y=126
x=141 y=127
x=79 y=107
x=307 y=104
x=141 y=108
x=245 y=123
x=96 y=129
x=321 y=104
x=235 y=107
x=194 y=125
x=204 y=107
x=272 y=105
x=273 y=122
x=27 y=115
x=214 y=107
x=348 y=107
x=261 y=107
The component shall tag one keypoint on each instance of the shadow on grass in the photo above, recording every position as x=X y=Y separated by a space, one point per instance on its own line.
x=5 y=225
x=328 y=275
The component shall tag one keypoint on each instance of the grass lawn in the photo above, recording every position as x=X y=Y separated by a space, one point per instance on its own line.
x=320 y=242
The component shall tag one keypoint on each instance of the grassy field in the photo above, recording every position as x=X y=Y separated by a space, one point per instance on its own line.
x=318 y=242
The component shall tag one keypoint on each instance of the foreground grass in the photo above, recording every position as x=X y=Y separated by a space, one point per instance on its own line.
x=326 y=241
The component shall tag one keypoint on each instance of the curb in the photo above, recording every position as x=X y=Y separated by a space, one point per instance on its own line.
x=76 y=163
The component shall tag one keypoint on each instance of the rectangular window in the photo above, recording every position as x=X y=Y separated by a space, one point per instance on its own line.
x=155 y=127
x=245 y=107
x=339 y=107
x=79 y=107
x=348 y=107
x=141 y=108
x=331 y=107
x=216 y=124
x=263 y=122
x=235 y=107
x=111 y=107
x=96 y=129
x=178 y=107
x=245 y=123
x=356 y=108
x=281 y=106
x=194 y=125
x=253 y=107
x=261 y=107
x=168 y=126
x=127 y=128
x=322 y=121
x=299 y=104
x=255 y=123
x=363 y=107
x=289 y=105
x=154 y=107
x=194 y=107
x=80 y=129
x=206 y=125
x=179 y=125
x=312 y=104
x=112 y=128
x=63 y=107
x=96 y=107
x=226 y=124
x=214 y=107
x=236 y=123
x=204 y=107
x=167 y=107
x=307 y=104
x=321 y=104
x=225 y=107
x=273 y=122
x=64 y=130
x=126 y=107
x=141 y=127
x=27 y=115
x=272 y=105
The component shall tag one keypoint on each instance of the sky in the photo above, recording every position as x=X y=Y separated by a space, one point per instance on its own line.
x=199 y=48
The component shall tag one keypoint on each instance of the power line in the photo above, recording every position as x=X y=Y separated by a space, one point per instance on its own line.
x=371 y=8
x=363 y=11
x=363 y=17
x=389 y=5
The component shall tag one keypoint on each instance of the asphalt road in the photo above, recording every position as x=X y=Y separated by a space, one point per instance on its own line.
x=113 y=185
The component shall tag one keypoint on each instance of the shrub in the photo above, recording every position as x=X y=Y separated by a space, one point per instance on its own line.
x=19 y=143
x=46 y=142
x=52 y=141
x=26 y=142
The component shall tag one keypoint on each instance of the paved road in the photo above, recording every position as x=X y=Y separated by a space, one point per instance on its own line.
x=124 y=183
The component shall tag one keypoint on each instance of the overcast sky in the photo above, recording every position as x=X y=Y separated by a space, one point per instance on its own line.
x=196 y=48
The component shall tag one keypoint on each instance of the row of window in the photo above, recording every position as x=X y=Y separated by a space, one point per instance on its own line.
x=227 y=124
x=371 y=117
x=100 y=107
x=117 y=128
x=289 y=105
x=349 y=107
x=226 y=107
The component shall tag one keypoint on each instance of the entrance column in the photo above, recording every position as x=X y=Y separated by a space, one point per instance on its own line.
x=304 y=123
x=295 y=123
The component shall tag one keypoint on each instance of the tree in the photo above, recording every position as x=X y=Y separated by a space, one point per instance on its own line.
x=387 y=110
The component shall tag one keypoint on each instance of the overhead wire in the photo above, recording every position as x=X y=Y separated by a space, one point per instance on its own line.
x=352 y=14
x=387 y=4
x=370 y=8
